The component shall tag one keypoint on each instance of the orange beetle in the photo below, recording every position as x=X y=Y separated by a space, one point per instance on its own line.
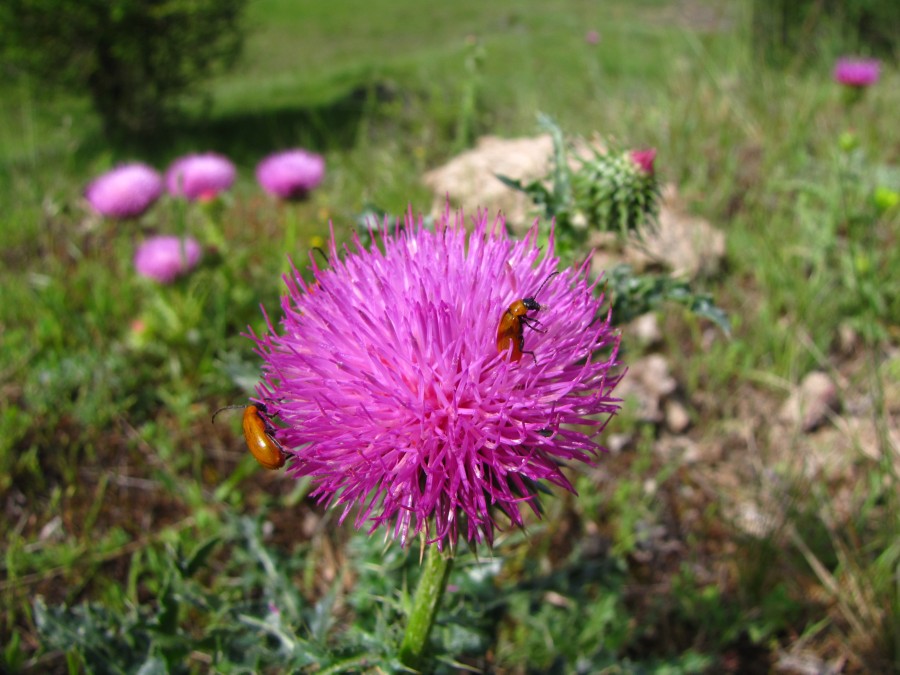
x=259 y=436
x=511 y=330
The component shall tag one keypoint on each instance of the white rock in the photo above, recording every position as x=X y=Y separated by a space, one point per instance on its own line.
x=646 y=330
x=687 y=245
x=678 y=419
x=811 y=403
x=647 y=383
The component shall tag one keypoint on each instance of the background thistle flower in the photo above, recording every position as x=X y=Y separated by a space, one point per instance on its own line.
x=200 y=176
x=165 y=258
x=125 y=192
x=392 y=395
x=291 y=174
x=857 y=72
x=618 y=191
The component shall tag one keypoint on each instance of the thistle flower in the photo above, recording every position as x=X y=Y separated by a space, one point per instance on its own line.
x=164 y=258
x=392 y=395
x=200 y=177
x=125 y=192
x=618 y=191
x=291 y=174
x=592 y=37
x=644 y=159
x=853 y=72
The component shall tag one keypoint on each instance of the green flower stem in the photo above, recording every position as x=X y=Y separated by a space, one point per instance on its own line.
x=291 y=227
x=212 y=216
x=426 y=603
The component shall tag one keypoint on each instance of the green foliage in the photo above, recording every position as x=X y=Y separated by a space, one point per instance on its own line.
x=468 y=109
x=786 y=31
x=702 y=608
x=241 y=611
x=135 y=58
x=848 y=240
x=233 y=603
x=636 y=294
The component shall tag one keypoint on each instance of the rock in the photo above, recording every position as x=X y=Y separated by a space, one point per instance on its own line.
x=310 y=524
x=752 y=518
x=678 y=419
x=52 y=530
x=807 y=663
x=470 y=179
x=647 y=383
x=847 y=339
x=645 y=330
x=685 y=451
x=616 y=443
x=687 y=245
x=811 y=403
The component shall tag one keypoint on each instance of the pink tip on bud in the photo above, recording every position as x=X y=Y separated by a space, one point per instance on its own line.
x=644 y=159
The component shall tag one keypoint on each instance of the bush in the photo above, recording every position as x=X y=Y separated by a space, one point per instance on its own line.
x=135 y=58
x=786 y=31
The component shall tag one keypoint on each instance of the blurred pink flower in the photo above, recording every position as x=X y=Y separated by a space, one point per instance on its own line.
x=291 y=174
x=644 y=159
x=125 y=192
x=164 y=258
x=200 y=177
x=855 y=72
x=592 y=37
x=138 y=336
x=391 y=393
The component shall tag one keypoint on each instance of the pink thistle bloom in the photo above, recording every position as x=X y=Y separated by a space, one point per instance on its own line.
x=592 y=37
x=200 y=177
x=291 y=174
x=391 y=392
x=164 y=258
x=853 y=72
x=125 y=192
x=644 y=159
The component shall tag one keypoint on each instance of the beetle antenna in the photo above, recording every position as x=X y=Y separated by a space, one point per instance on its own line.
x=227 y=407
x=319 y=250
x=541 y=287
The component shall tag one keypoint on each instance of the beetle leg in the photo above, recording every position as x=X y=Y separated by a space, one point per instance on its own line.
x=532 y=323
x=525 y=351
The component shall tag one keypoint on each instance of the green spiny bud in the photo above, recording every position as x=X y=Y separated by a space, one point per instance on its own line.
x=619 y=192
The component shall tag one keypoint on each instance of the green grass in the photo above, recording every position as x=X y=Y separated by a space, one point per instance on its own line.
x=113 y=478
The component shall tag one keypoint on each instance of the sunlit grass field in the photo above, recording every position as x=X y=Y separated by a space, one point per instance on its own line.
x=137 y=533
